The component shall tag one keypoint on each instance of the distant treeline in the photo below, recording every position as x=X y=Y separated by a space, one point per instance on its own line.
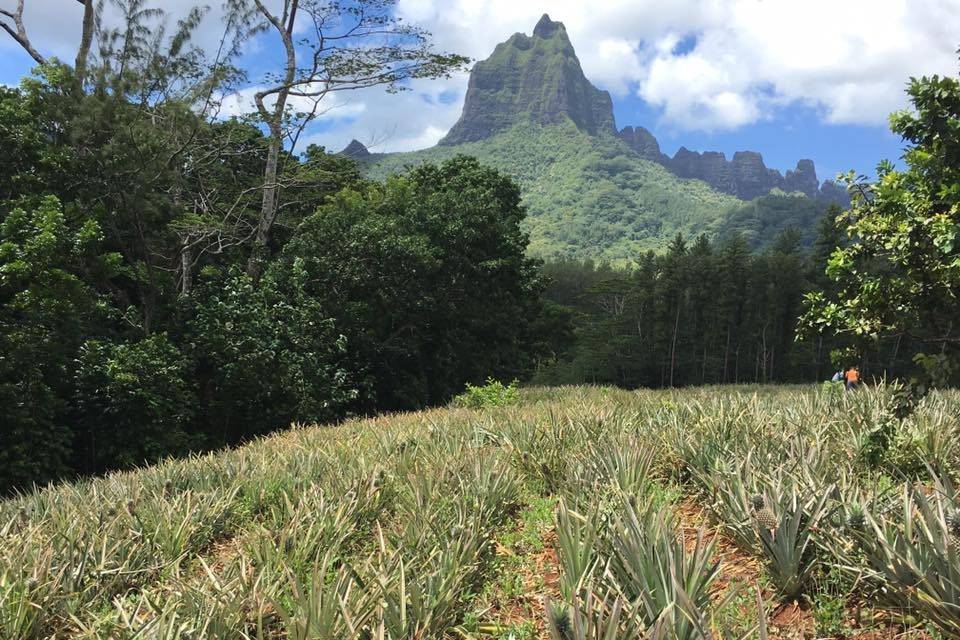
x=704 y=313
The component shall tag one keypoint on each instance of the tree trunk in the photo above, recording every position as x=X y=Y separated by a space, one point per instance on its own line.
x=86 y=39
x=186 y=271
x=274 y=120
x=673 y=344
x=819 y=356
x=703 y=365
x=726 y=356
x=268 y=207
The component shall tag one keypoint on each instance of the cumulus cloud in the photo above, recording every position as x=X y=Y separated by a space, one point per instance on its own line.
x=848 y=59
x=744 y=59
x=704 y=64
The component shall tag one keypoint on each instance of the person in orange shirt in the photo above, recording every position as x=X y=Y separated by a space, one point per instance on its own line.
x=852 y=378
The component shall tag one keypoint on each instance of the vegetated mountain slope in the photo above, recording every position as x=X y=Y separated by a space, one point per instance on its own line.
x=536 y=78
x=587 y=196
x=762 y=219
x=593 y=191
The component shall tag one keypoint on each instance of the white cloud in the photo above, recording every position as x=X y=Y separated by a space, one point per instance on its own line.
x=412 y=119
x=847 y=59
x=333 y=107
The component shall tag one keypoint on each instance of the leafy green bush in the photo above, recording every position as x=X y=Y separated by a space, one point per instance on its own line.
x=135 y=400
x=492 y=394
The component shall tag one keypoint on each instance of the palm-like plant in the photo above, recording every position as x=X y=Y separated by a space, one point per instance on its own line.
x=916 y=558
x=668 y=584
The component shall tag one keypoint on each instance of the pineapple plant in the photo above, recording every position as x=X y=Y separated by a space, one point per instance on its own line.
x=856 y=520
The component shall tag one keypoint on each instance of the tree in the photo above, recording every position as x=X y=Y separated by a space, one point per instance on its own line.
x=236 y=332
x=345 y=46
x=674 y=281
x=47 y=310
x=899 y=271
x=427 y=278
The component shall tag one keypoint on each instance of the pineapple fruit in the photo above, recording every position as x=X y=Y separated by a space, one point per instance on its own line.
x=762 y=513
x=953 y=524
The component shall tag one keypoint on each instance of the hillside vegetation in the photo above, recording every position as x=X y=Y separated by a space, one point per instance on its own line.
x=593 y=191
x=587 y=196
x=457 y=522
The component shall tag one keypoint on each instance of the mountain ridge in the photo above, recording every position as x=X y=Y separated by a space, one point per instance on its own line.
x=745 y=175
x=514 y=83
x=595 y=191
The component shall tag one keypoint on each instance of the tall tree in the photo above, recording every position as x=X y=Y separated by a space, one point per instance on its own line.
x=88 y=26
x=337 y=47
x=674 y=280
x=899 y=272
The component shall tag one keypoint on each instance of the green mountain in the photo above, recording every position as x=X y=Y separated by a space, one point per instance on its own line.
x=538 y=79
x=593 y=191
x=587 y=196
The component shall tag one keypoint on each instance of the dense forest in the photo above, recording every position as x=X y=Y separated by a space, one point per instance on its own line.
x=171 y=281
x=704 y=313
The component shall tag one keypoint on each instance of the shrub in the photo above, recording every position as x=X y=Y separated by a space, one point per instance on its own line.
x=492 y=394
x=135 y=402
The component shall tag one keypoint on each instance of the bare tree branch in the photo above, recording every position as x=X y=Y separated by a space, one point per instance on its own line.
x=19 y=32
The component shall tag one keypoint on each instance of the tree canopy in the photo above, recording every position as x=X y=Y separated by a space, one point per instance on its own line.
x=897 y=271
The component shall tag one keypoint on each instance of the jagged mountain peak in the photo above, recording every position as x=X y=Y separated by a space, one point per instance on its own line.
x=547 y=27
x=534 y=79
x=355 y=149
x=538 y=80
x=745 y=175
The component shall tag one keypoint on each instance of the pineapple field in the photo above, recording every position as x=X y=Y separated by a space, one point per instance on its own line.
x=567 y=513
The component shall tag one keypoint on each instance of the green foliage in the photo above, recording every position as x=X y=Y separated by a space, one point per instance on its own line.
x=588 y=197
x=591 y=197
x=237 y=331
x=492 y=394
x=917 y=556
x=128 y=332
x=47 y=308
x=898 y=270
x=134 y=401
x=697 y=314
x=761 y=221
x=829 y=612
x=427 y=278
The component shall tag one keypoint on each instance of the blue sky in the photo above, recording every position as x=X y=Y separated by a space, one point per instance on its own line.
x=792 y=133
x=791 y=80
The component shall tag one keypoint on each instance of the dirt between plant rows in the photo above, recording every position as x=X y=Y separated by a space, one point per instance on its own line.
x=541 y=582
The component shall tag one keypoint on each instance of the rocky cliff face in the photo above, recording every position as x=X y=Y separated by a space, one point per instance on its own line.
x=534 y=78
x=643 y=142
x=745 y=176
x=802 y=179
x=538 y=79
